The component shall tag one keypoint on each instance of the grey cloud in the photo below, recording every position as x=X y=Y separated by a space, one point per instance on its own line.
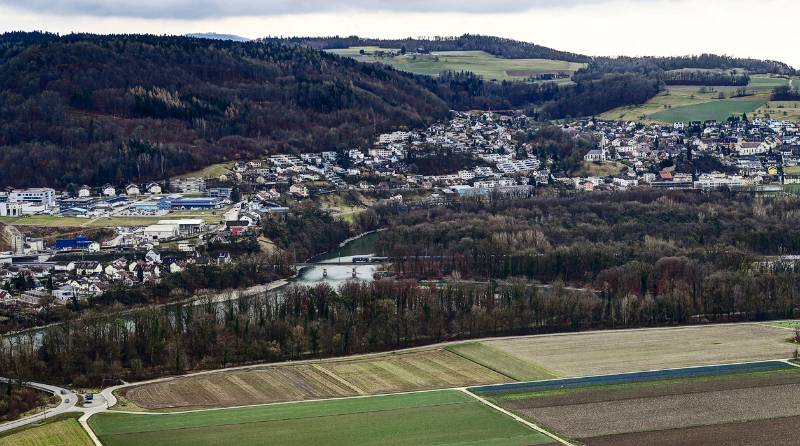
x=205 y=9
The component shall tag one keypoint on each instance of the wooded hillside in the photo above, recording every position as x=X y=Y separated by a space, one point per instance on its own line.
x=95 y=109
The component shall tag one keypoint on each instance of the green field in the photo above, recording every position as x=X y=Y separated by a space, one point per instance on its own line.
x=501 y=362
x=75 y=222
x=429 y=418
x=479 y=62
x=717 y=110
x=693 y=103
x=61 y=431
x=766 y=82
x=785 y=324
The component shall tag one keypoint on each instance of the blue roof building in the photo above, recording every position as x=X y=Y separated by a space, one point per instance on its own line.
x=79 y=242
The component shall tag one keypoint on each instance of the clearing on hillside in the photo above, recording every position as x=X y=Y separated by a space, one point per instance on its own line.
x=483 y=64
x=61 y=432
x=719 y=110
x=429 y=369
x=428 y=418
x=619 y=351
x=685 y=103
x=709 y=407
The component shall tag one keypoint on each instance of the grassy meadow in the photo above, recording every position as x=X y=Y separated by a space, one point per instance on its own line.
x=428 y=418
x=683 y=103
x=60 y=431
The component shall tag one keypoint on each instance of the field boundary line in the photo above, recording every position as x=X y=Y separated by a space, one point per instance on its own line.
x=84 y=422
x=517 y=418
x=450 y=349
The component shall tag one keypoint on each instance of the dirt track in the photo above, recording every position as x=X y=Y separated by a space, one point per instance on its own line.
x=775 y=432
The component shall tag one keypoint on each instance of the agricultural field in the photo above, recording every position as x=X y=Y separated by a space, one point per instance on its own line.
x=501 y=362
x=427 y=418
x=619 y=351
x=783 y=110
x=404 y=372
x=62 y=431
x=693 y=410
x=695 y=103
x=488 y=66
x=719 y=110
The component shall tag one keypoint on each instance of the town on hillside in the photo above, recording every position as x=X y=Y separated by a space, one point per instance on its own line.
x=473 y=154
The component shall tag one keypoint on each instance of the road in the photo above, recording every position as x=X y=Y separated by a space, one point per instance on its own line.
x=68 y=401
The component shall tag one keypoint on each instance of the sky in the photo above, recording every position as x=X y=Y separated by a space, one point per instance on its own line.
x=765 y=29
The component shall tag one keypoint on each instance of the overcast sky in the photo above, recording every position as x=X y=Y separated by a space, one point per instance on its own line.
x=765 y=29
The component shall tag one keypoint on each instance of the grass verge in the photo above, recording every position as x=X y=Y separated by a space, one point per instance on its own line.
x=60 y=430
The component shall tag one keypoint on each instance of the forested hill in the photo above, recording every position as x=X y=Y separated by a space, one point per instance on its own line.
x=655 y=65
x=515 y=49
x=95 y=109
x=506 y=48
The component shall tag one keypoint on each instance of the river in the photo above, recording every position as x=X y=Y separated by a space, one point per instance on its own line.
x=334 y=275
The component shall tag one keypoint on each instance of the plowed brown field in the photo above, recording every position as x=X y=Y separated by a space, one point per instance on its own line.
x=672 y=412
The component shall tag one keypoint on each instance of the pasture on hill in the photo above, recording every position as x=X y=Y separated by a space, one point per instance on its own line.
x=483 y=64
x=427 y=418
x=684 y=103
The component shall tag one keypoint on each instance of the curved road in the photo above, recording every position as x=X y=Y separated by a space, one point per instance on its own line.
x=68 y=401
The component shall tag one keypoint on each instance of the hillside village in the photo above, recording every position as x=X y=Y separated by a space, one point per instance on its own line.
x=187 y=213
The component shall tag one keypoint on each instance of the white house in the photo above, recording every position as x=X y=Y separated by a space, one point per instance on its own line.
x=109 y=190
x=84 y=192
x=154 y=188
x=132 y=189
